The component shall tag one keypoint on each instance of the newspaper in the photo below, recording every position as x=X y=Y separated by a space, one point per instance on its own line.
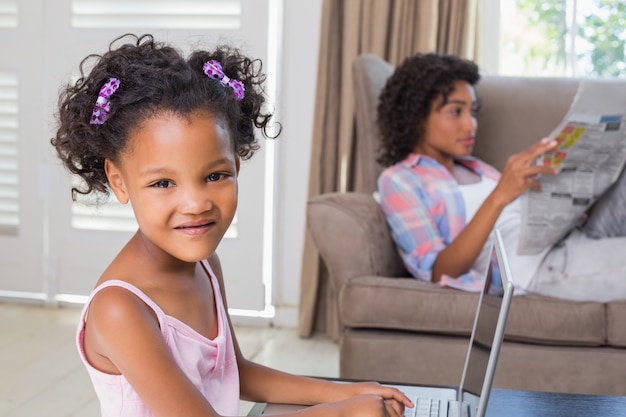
x=589 y=157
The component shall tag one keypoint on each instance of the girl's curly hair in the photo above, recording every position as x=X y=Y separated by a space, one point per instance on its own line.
x=154 y=78
x=406 y=100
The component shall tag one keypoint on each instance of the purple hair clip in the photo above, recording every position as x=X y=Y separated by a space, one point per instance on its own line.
x=103 y=107
x=213 y=69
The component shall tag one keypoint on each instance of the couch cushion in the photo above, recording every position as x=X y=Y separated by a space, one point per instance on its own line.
x=406 y=304
x=615 y=329
x=540 y=319
x=412 y=305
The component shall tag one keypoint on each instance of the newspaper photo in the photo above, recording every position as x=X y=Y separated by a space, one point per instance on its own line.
x=590 y=154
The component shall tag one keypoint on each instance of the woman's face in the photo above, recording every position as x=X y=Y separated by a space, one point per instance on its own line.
x=450 y=127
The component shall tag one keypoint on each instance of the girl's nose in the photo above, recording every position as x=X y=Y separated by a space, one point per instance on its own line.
x=196 y=200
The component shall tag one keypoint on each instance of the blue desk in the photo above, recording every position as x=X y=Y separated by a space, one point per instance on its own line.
x=513 y=403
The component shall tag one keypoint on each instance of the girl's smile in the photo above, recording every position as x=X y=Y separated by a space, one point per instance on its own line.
x=196 y=228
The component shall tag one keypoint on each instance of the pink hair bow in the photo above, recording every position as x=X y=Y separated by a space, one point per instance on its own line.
x=103 y=107
x=213 y=69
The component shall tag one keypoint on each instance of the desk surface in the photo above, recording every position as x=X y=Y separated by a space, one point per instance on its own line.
x=512 y=403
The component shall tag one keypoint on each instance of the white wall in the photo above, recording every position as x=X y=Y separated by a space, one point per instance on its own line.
x=301 y=35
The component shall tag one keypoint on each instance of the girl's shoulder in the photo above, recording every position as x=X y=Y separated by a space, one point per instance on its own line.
x=115 y=300
x=115 y=313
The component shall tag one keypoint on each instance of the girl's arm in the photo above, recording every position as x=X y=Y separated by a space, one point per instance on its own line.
x=121 y=328
x=126 y=332
x=262 y=384
x=518 y=175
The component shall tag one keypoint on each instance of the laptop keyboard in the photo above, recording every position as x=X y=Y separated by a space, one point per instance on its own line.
x=425 y=407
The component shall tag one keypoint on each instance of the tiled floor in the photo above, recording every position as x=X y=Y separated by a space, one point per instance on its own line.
x=41 y=375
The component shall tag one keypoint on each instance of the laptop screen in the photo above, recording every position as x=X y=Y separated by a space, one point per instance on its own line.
x=498 y=289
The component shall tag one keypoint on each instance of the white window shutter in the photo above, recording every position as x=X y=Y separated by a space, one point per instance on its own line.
x=8 y=14
x=9 y=169
x=159 y=14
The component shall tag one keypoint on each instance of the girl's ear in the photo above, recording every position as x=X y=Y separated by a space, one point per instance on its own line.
x=116 y=181
x=237 y=163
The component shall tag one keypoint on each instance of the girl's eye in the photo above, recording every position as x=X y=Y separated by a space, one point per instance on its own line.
x=215 y=177
x=162 y=184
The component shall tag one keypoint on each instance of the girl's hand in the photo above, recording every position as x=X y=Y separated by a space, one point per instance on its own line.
x=365 y=405
x=369 y=405
x=520 y=172
x=388 y=398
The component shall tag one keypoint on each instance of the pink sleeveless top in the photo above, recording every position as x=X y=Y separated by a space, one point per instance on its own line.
x=210 y=364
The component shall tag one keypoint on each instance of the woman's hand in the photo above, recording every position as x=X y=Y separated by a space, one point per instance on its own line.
x=520 y=172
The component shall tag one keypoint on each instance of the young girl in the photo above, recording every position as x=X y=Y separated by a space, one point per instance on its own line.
x=167 y=134
x=442 y=204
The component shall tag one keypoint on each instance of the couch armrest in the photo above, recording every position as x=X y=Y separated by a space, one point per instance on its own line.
x=352 y=237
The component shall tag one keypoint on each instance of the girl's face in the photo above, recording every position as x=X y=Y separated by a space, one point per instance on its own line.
x=180 y=175
x=450 y=127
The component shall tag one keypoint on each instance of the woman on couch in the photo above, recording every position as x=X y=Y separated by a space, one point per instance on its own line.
x=442 y=204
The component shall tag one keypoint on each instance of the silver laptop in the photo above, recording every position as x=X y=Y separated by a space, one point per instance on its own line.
x=471 y=397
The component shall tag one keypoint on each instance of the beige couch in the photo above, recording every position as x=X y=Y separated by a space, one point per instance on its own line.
x=396 y=328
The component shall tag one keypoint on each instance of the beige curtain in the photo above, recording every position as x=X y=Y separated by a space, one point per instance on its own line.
x=393 y=30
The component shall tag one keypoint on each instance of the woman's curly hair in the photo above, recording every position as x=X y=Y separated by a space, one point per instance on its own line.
x=154 y=78
x=406 y=100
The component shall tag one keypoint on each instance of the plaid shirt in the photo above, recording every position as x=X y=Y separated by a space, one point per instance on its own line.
x=425 y=212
